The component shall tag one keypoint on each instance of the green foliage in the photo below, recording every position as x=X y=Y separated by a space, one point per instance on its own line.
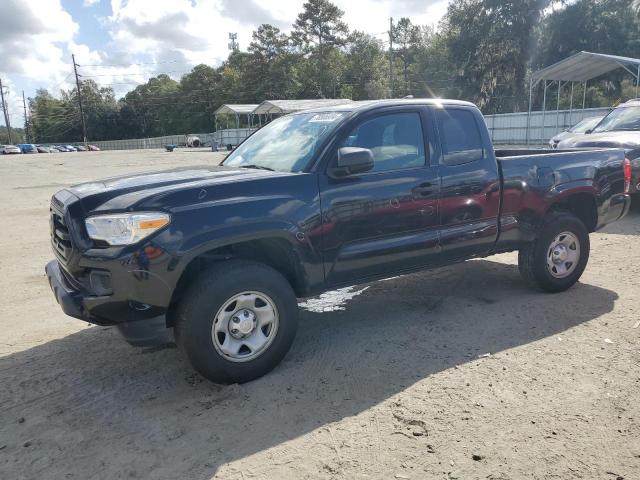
x=17 y=135
x=318 y=32
x=483 y=51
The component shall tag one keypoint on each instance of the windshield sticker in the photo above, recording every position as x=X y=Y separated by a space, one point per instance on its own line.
x=326 y=117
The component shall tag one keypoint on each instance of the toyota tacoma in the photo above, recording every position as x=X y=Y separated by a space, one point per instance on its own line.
x=314 y=201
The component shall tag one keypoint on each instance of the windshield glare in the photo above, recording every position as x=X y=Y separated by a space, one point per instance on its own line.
x=625 y=118
x=585 y=125
x=287 y=144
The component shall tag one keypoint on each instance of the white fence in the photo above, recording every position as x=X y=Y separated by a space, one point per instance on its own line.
x=222 y=138
x=152 y=142
x=511 y=128
x=505 y=129
x=231 y=136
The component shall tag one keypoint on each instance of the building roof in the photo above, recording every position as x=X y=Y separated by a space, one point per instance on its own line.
x=289 y=106
x=236 y=108
x=584 y=66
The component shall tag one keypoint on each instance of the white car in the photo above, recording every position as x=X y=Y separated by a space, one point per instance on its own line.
x=9 y=149
x=579 y=128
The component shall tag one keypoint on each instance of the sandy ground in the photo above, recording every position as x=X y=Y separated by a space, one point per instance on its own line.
x=458 y=373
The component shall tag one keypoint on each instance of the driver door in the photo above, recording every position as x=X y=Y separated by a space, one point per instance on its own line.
x=384 y=221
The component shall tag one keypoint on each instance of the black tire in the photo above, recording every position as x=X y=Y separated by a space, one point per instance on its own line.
x=532 y=259
x=202 y=301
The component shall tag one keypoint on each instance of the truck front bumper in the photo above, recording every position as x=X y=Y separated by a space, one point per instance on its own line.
x=70 y=300
x=76 y=301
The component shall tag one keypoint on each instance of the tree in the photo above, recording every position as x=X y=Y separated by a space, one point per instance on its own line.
x=272 y=64
x=317 y=30
x=200 y=95
x=407 y=37
x=366 y=68
x=52 y=119
x=488 y=44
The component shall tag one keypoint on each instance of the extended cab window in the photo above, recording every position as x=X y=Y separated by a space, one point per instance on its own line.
x=395 y=140
x=459 y=136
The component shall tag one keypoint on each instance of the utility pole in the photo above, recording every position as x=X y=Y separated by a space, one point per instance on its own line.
x=84 y=126
x=5 y=111
x=26 y=119
x=391 y=79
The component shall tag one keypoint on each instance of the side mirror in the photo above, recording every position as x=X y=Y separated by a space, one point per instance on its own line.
x=587 y=132
x=352 y=160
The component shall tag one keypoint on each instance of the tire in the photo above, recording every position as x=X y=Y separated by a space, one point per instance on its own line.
x=232 y=284
x=536 y=260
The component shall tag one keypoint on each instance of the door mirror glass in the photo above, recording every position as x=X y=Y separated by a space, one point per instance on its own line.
x=352 y=160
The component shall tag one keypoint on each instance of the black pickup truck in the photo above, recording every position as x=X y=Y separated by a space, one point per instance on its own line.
x=314 y=201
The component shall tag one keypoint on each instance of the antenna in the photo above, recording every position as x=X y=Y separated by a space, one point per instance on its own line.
x=233 y=44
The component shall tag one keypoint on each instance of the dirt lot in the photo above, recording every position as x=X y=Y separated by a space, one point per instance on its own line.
x=459 y=373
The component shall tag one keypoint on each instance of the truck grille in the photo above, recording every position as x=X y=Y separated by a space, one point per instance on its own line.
x=60 y=237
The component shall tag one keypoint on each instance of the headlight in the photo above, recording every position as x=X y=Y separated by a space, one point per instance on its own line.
x=125 y=228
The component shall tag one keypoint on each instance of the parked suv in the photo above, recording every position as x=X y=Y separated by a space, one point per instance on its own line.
x=619 y=129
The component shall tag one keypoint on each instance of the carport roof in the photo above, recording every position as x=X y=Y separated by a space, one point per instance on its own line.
x=584 y=66
x=237 y=108
x=289 y=106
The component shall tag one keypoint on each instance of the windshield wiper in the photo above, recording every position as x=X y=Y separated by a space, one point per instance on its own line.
x=258 y=167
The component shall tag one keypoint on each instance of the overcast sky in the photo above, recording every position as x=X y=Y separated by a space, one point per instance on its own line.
x=37 y=37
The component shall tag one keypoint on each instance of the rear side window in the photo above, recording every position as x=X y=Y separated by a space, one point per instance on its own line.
x=395 y=140
x=459 y=136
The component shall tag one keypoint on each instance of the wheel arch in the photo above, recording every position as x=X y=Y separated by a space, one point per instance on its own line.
x=582 y=204
x=276 y=251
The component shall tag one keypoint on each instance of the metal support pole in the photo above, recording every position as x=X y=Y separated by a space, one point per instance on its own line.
x=6 y=112
x=26 y=119
x=584 y=96
x=571 y=107
x=558 y=106
x=391 y=79
x=529 y=113
x=544 y=110
x=84 y=125
x=237 y=121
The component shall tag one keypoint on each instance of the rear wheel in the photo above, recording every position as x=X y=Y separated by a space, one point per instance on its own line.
x=556 y=259
x=237 y=321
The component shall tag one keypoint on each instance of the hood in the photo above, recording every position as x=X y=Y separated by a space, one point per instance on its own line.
x=626 y=139
x=126 y=191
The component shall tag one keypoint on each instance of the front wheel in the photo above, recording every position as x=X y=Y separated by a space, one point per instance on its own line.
x=556 y=259
x=237 y=321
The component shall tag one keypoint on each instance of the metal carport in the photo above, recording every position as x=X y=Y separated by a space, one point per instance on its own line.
x=578 y=68
x=282 y=107
x=236 y=110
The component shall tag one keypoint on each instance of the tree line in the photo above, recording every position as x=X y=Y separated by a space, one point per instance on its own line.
x=482 y=51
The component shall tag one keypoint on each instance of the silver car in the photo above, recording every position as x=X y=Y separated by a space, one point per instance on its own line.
x=9 y=149
x=579 y=128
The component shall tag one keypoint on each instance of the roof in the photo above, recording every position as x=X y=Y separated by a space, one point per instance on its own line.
x=634 y=102
x=289 y=106
x=584 y=66
x=370 y=104
x=236 y=108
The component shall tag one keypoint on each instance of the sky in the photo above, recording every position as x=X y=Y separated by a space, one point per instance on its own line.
x=124 y=42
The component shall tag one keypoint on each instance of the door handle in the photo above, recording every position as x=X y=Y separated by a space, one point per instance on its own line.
x=423 y=189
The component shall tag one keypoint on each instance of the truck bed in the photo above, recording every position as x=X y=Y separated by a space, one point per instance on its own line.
x=530 y=176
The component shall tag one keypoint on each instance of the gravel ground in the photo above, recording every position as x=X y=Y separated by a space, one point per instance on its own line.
x=462 y=372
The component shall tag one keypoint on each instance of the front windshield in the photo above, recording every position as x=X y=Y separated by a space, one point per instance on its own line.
x=585 y=125
x=287 y=144
x=624 y=118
